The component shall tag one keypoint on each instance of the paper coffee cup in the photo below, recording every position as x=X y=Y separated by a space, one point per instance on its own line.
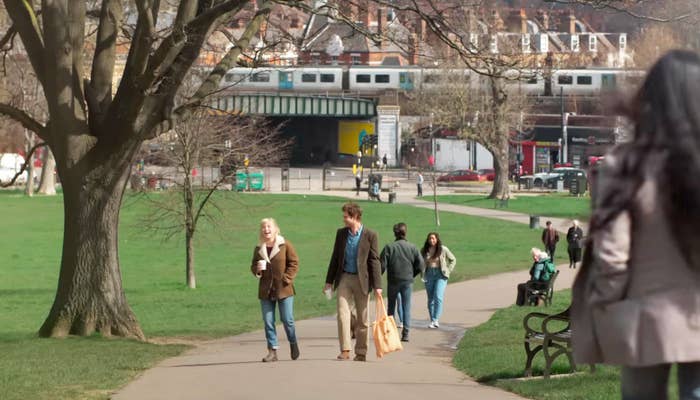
x=262 y=265
x=328 y=293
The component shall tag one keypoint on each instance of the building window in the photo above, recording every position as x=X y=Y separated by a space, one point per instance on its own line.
x=623 y=42
x=381 y=78
x=575 y=44
x=308 y=78
x=363 y=78
x=356 y=60
x=327 y=78
x=584 y=80
x=593 y=43
x=526 y=43
x=565 y=79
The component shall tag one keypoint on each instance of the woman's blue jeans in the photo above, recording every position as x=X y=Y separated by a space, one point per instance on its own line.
x=286 y=307
x=651 y=383
x=435 y=284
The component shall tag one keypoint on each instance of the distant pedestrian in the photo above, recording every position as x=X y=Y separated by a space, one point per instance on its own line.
x=354 y=270
x=636 y=300
x=402 y=262
x=358 y=183
x=550 y=237
x=419 y=184
x=439 y=263
x=574 y=238
x=385 y=162
x=275 y=263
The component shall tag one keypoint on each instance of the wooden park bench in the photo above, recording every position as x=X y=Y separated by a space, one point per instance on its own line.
x=545 y=332
x=545 y=295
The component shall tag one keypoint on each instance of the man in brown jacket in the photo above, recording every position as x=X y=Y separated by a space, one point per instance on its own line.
x=550 y=237
x=354 y=270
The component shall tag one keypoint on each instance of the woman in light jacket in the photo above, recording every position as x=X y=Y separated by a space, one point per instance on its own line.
x=439 y=263
x=275 y=263
x=636 y=302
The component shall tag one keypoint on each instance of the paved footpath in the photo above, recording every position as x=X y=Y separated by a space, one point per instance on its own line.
x=230 y=368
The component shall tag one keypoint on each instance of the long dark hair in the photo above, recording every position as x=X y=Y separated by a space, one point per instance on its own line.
x=666 y=146
x=426 y=245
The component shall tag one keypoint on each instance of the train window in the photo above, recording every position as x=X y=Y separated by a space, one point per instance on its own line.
x=308 y=78
x=363 y=78
x=565 y=79
x=405 y=77
x=382 y=78
x=532 y=81
x=228 y=78
x=584 y=80
x=327 y=78
x=260 y=77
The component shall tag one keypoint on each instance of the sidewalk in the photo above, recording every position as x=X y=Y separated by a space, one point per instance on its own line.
x=230 y=368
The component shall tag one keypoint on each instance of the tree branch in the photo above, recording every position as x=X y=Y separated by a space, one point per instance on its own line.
x=24 y=166
x=24 y=19
x=99 y=91
x=25 y=120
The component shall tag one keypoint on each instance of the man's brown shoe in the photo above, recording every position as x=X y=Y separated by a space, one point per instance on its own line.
x=360 y=357
x=344 y=355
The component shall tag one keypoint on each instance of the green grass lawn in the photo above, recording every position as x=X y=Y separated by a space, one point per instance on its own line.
x=225 y=301
x=548 y=205
x=493 y=354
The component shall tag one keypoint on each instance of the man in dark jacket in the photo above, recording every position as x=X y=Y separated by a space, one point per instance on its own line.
x=354 y=270
x=403 y=262
x=574 y=237
x=550 y=237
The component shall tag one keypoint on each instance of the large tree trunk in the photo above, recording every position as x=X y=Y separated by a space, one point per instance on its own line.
x=90 y=297
x=47 y=184
x=500 y=189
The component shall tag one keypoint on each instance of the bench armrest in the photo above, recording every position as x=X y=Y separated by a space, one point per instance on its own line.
x=556 y=317
x=528 y=317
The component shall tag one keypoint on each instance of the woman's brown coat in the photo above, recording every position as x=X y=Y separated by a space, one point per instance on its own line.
x=277 y=281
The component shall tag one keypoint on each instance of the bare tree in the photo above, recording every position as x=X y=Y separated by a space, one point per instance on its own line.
x=204 y=141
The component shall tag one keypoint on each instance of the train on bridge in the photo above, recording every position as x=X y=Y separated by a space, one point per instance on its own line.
x=369 y=81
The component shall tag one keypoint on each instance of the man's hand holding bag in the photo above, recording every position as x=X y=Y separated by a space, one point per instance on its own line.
x=386 y=335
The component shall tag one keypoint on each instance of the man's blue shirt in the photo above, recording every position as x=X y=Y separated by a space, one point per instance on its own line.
x=351 y=245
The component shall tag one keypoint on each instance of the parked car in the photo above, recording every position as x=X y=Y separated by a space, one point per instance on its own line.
x=539 y=179
x=462 y=175
x=564 y=174
x=489 y=174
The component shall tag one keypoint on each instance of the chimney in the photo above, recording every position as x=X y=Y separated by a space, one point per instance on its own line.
x=380 y=23
x=545 y=21
x=420 y=28
x=523 y=21
x=415 y=47
x=572 y=24
x=365 y=16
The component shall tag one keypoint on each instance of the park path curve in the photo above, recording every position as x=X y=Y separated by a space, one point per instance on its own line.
x=230 y=368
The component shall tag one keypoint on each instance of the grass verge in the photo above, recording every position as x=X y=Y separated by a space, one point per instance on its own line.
x=225 y=301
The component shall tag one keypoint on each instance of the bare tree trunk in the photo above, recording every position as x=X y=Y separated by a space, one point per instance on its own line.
x=30 y=139
x=191 y=282
x=47 y=185
x=189 y=231
x=501 y=189
x=90 y=297
x=435 y=202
